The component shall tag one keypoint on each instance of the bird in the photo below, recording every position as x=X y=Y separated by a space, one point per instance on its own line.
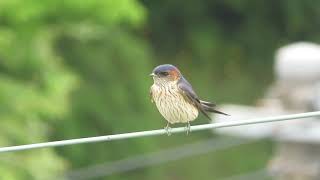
x=175 y=98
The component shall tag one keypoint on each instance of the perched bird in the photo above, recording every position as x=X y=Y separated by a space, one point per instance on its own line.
x=175 y=98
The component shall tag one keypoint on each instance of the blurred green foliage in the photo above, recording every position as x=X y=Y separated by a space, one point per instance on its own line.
x=77 y=68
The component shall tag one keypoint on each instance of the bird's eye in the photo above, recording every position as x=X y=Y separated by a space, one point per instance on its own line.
x=164 y=73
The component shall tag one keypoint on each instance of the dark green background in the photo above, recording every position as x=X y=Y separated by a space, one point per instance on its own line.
x=78 y=68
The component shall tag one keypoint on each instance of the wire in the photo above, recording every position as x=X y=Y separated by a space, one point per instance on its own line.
x=158 y=132
x=154 y=158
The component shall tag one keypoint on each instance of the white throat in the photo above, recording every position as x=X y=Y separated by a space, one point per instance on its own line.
x=164 y=82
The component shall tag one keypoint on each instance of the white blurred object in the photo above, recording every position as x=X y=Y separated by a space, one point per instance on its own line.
x=316 y=101
x=296 y=89
x=297 y=70
x=298 y=62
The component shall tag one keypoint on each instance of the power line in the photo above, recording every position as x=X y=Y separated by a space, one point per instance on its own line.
x=154 y=158
x=158 y=132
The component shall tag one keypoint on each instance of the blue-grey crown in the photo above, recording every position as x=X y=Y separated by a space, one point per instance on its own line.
x=163 y=68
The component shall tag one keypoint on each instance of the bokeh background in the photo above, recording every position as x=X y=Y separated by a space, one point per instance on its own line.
x=78 y=68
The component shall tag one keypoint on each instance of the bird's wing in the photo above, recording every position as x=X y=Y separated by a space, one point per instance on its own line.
x=190 y=96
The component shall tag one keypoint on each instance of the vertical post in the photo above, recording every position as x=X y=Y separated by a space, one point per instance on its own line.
x=297 y=69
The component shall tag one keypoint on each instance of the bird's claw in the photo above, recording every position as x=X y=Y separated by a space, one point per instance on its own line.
x=188 y=128
x=168 y=129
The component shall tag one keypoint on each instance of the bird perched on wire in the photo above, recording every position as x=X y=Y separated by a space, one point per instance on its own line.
x=175 y=98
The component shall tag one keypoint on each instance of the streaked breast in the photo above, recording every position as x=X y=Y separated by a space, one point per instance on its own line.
x=172 y=105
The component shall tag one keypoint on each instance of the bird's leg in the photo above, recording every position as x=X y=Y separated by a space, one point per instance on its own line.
x=188 y=128
x=168 y=129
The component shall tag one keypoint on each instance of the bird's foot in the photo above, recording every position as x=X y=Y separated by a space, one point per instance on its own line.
x=168 y=129
x=188 y=128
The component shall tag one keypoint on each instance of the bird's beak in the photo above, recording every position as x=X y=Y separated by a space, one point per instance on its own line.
x=152 y=74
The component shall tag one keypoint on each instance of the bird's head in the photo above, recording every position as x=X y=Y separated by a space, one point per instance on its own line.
x=165 y=73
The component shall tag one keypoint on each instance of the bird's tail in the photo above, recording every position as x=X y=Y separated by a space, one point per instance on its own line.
x=209 y=107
